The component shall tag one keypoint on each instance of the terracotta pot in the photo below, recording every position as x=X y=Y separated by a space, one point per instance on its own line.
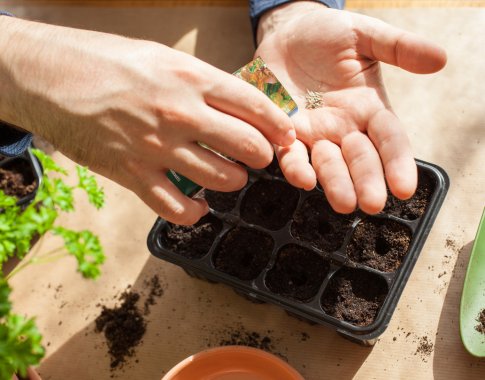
x=233 y=363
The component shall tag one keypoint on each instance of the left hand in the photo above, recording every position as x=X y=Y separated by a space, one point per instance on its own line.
x=354 y=138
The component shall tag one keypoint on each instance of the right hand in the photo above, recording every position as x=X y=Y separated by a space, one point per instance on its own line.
x=131 y=110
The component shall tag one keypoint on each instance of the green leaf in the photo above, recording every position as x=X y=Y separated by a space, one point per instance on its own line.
x=89 y=184
x=86 y=248
x=5 y=304
x=20 y=345
x=7 y=200
x=54 y=193
x=48 y=163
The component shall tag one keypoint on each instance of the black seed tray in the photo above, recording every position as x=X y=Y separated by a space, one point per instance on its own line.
x=32 y=168
x=344 y=263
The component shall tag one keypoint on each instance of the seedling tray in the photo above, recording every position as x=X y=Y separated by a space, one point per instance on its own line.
x=29 y=169
x=274 y=243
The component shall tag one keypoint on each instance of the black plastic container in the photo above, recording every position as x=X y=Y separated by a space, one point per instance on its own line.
x=333 y=260
x=31 y=168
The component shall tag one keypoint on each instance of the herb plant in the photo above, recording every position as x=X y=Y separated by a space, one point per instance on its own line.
x=20 y=340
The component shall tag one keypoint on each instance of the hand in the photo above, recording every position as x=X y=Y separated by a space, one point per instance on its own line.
x=355 y=137
x=132 y=109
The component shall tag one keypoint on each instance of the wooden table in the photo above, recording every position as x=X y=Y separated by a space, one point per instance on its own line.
x=445 y=116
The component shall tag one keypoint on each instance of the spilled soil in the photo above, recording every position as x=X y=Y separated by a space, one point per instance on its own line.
x=125 y=324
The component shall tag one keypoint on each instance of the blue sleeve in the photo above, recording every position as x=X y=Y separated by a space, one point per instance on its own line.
x=12 y=141
x=258 y=7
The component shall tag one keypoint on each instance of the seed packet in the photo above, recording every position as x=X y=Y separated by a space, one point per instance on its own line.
x=260 y=76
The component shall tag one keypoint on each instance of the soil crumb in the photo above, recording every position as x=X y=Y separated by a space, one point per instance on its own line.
x=379 y=244
x=17 y=179
x=414 y=207
x=269 y=203
x=354 y=296
x=240 y=336
x=192 y=241
x=297 y=273
x=425 y=347
x=452 y=245
x=221 y=201
x=236 y=257
x=155 y=291
x=481 y=322
x=124 y=325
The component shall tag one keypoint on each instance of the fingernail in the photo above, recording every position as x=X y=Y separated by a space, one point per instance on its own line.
x=289 y=137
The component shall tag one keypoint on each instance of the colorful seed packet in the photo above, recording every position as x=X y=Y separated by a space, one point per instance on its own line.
x=260 y=76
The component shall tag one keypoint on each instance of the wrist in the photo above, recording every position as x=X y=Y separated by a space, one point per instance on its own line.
x=276 y=17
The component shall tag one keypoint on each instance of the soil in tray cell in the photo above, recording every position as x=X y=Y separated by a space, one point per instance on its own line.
x=243 y=253
x=354 y=296
x=297 y=273
x=269 y=204
x=17 y=178
x=319 y=225
x=192 y=241
x=414 y=207
x=220 y=201
x=274 y=168
x=379 y=243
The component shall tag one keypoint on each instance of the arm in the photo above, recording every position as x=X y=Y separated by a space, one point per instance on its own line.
x=13 y=141
x=354 y=140
x=132 y=109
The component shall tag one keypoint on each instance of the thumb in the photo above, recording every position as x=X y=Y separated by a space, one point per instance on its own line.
x=382 y=42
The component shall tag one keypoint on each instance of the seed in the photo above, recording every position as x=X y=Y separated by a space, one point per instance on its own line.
x=313 y=100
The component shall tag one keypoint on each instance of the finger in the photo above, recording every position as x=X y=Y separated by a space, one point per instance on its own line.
x=207 y=169
x=334 y=176
x=293 y=161
x=382 y=42
x=233 y=96
x=366 y=170
x=393 y=145
x=235 y=138
x=163 y=197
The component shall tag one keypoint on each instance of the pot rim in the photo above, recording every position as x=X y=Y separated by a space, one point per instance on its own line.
x=245 y=352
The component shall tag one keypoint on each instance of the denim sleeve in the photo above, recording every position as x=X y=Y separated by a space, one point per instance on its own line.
x=258 y=7
x=12 y=141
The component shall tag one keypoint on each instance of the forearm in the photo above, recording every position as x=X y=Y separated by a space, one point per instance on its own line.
x=19 y=70
x=42 y=68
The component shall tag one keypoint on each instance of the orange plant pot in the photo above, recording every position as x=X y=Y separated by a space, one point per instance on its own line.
x=233 y=363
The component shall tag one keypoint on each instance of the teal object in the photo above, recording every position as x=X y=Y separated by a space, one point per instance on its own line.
x=473 y=297
x=184 y=184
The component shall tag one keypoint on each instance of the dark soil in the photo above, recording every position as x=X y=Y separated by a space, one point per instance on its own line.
x=220 y=201
x=156 y=291
x=243 y=253
x=380 y=244
x=298 y=273
x=192 y=241
x=240 y=336
x=274 y=168
x=246 y=338
x=355 y=296
x=17 y=178
x=317 y=223
x=481 y=322
x=425 y=347
x=414 y=207
x=269 y=204
x=125 y=325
